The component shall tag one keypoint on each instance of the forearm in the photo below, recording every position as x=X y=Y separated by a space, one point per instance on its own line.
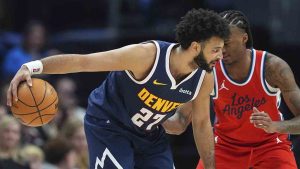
x=176 y=124
x=204 y=139
x=291 y=126
x=61 y=64
x=173 y=128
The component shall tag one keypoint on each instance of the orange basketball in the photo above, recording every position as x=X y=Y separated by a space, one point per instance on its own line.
x=36 y=105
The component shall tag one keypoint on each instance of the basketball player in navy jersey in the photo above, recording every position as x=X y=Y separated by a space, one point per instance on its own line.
x=147 y=82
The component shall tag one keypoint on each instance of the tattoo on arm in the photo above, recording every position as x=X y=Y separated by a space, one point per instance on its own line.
x=279 y=74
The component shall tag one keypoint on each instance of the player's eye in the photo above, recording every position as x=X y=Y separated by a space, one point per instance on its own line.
x=215 y=50
x=226 y=43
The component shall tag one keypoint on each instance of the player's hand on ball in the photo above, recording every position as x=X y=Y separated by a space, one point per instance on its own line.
x=261 y=119
x=22 y=75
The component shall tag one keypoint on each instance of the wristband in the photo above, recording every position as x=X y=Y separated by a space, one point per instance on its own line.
x=34 y=67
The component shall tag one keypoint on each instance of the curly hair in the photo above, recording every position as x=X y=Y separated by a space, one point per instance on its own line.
x=238 y=19
x=200 y=25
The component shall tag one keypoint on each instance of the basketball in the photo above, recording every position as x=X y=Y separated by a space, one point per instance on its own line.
x=36 y=105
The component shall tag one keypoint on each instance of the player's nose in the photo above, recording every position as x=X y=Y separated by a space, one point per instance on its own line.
x=220 y=56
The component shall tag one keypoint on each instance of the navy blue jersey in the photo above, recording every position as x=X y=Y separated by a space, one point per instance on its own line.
x=142 y=105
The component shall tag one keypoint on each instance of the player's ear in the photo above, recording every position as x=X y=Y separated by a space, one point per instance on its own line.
x=245 y=38
x=196 y=46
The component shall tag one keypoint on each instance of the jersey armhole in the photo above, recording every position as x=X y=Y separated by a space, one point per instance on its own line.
x=272 y=91
x=145 y=80
x=214 y=93
x=199 y=84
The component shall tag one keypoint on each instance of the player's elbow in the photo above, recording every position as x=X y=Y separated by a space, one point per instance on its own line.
x=175 y=132
x=175 y=129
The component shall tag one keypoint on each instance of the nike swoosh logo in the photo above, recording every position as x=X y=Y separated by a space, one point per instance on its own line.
x=155 y=82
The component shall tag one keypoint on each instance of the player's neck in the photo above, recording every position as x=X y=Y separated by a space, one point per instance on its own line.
x=181 y=63
x=239 y=70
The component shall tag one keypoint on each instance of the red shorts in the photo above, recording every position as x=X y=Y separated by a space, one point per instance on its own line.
x=275 y=154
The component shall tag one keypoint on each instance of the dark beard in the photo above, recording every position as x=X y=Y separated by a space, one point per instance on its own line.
x=202 y=62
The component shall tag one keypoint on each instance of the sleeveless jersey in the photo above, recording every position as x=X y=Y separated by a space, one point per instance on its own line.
x=141 y=105
x=234 y=102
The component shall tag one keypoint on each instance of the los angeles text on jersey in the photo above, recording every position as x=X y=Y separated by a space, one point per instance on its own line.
x=240 y=104
x=156 y=103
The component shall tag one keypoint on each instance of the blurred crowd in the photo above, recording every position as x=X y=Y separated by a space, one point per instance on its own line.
x=61 y=144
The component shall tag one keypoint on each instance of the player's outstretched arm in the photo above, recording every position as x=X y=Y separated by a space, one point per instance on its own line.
x=131 y=57
x=202 y=129
x=137 y=58
x=279 y=75
x=178 y=123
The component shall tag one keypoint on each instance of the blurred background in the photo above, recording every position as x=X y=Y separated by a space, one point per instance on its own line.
x=33 y=29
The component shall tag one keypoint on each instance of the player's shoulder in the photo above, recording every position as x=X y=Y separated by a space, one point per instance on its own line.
x=141 y=59
x=273 y=61
x=276 y=69
x=147 y=46
x=142 y=46
x=145 y=49
x=140 y=52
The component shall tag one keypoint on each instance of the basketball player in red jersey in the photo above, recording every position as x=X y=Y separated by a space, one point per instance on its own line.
x=249 y=130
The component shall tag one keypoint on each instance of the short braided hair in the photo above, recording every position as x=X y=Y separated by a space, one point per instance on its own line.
x=238 y=19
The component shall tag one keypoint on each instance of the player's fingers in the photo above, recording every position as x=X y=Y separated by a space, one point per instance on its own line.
x=255 y=110
x=14 y=91
x=259 y=125
x=29 y=80
x=263 y=114
x=14 y=88
x=253 y=118
x=261 y=122
x=263 y=127
x=258 y=117
x=256 y=125
x=8 y=96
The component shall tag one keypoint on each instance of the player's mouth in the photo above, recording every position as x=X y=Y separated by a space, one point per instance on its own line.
x=213 y=63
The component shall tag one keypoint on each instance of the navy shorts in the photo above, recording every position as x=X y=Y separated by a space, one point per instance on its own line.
x=111 y=147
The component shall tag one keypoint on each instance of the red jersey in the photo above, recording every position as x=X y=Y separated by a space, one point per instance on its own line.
x=234 y=102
